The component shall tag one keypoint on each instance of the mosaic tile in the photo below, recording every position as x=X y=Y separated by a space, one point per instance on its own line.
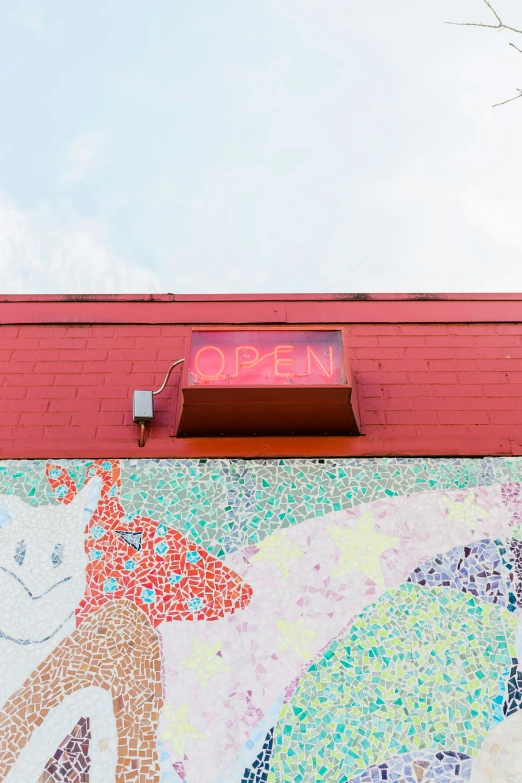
x=515 y=546
x=71 y=761
x=513 y=692
x=188 y=621
x=498 y=760
x=301 y=602
x=444 y=766
x=115 y=648
x=421 y=766
x=421 y=668
x=224 y=504
x=206 y=588
x=483 y=569
x=258 y=772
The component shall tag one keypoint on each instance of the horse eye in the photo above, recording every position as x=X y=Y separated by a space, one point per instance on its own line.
x=20 y=551
x=57 y=555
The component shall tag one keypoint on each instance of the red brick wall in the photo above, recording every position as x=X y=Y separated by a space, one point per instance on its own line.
x=433 y=380
x=75 y=383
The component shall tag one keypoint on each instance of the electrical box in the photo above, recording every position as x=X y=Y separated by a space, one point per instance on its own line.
x=143 y=406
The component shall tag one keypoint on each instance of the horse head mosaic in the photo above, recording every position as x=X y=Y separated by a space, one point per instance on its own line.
x=278 y=621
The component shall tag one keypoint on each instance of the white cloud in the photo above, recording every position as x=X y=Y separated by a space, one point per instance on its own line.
x=499 y=219
x=82 y=156
x=40 y=252
x=222 y=280
x=29 y=16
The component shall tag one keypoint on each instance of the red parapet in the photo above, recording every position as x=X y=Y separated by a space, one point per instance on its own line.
x=449 y=382
x=269 y=309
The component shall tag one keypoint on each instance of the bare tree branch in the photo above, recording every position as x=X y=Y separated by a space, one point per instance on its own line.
x=509 y=99
x=499 y=26
x=494 y=12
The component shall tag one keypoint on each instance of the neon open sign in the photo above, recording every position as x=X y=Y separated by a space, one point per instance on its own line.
x=266 y=358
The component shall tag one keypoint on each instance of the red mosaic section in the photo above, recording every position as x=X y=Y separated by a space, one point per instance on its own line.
x=63 y=486
x=145 y=561
x=184 y=583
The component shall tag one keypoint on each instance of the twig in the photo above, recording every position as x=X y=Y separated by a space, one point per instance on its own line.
x=509 y=99
x=499 y=26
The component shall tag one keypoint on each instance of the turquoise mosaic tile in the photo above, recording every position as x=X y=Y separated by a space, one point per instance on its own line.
x=225 y=504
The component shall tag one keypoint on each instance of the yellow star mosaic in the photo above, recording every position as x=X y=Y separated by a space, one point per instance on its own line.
x=179 y=730
x=361 y=548
x=295 y=636
x=465 y=511
x=205 y=661
x=279 y=550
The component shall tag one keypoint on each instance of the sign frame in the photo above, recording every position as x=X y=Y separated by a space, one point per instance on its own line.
x=215 y=410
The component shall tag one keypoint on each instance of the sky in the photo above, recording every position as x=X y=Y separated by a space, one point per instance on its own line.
x=242 y=146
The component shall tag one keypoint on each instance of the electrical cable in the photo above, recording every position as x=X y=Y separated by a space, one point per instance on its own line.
x=167 y=377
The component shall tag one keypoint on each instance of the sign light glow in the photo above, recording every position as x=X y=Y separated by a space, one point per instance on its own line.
x=266 y=358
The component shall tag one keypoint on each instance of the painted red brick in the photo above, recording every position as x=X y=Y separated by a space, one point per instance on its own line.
x=15 y=393
x=75 y=382
x=455 y=391
x=29 y=433
x=506 y=417
x=61 y=341
x=377 y=329
x=405 y=390
x=482 y=377
x=494 y=340
x=397 y=341
x=28 y=406
x=62 y=433
x=28 y=382
x=122 y=392
x=464 y=417
x=11 y=419
x=509 y=329
x=433 y=377
x=102 y=420
x=51 y=419
x=75 y=405
x=450 y=340
x=412 y=417
x=430 y=352
x=88 y=355
x=511 y=390
x=34 y=355
x=60 y=368
x=423 y=329
x=478 y=329
x=372 y=391
x=84 y=379
x=386 y=378
x=433 y=431
x=48 y=391
x=15 y=368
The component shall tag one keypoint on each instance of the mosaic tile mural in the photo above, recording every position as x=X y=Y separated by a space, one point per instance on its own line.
x=276 y=621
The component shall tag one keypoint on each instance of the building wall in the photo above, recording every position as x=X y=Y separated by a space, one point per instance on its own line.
x=74 y=383
x=279 y=620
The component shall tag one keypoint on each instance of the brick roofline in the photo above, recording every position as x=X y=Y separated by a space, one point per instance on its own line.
x=288 y=297
x=269 y=310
